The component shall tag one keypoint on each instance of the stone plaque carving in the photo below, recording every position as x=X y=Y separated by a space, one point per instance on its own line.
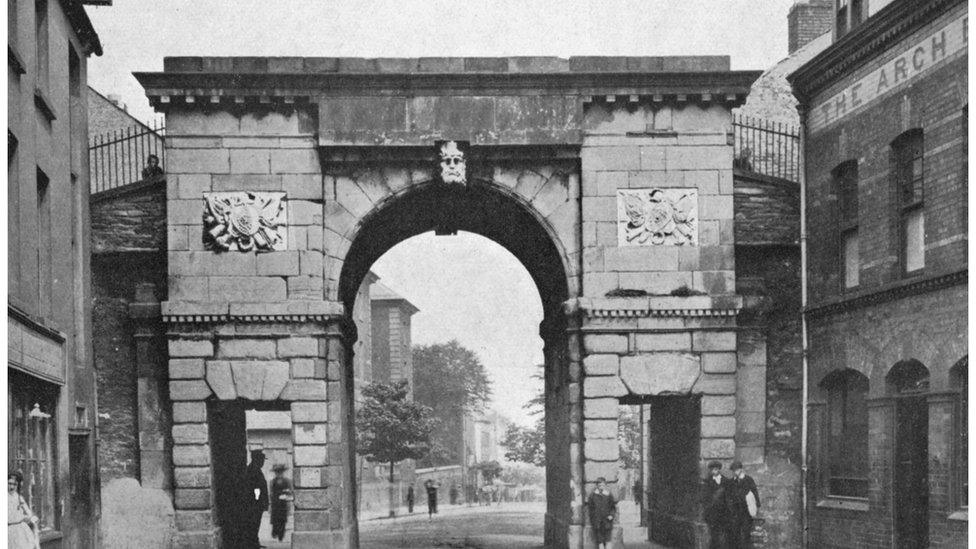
x=657 y=217
x=453 y=163
x=244 y=221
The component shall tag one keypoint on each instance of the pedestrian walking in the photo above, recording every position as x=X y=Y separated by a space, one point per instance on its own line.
x=453 y=493
x=410 y=499
x=743 y=505
x=431 y=488
x=638 y=494
x=715 y=505
x=603 y=511
x=21 y=522
x=256 y=494
x=281 y=494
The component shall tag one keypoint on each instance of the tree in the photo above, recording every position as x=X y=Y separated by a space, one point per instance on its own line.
x=392 y=428
x=629 y=437
x=452 y=381
x=489 y=470
x=526 y=444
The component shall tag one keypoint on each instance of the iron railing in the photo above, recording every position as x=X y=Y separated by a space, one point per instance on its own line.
x=766 y=147
x=118 y=158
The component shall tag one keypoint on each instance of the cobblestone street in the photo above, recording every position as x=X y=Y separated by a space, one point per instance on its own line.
x=510 y=526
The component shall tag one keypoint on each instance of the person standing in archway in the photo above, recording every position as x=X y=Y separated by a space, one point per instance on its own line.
x=281 y=494
x=256 y=495
x=715 y=506
x=603 y=510
x=741 y=509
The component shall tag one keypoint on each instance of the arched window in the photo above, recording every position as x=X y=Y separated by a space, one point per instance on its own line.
x=908 y=377
x=846 y=434
x=959 y=379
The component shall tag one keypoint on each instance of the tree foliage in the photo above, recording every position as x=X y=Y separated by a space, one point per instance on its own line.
x=452 y=381
x=629 y=437
x=526 y=444
x=523 y=473
x=489 y=469
x=390 y=427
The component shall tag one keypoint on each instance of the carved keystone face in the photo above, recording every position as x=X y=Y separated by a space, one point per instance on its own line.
x=453 y=165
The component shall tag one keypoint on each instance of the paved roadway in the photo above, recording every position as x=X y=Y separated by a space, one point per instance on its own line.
x=509 y=526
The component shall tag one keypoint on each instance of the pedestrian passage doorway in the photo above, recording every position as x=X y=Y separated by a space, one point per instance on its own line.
x=243 y=432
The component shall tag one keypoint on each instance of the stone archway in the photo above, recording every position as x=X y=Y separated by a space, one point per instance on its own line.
x=499 y=206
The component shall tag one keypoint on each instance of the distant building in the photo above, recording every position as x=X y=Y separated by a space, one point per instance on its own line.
x=886 y=131
x=390 y=332
x=51 y=408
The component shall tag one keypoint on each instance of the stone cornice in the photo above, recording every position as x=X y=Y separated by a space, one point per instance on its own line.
x=194 y=312
x=880 y=31
x=208 y=89
x=887 y=293
x=655 y=306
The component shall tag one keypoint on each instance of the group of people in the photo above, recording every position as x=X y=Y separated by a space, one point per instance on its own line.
x=729 y=505
x=258 y=500
x=431 y=487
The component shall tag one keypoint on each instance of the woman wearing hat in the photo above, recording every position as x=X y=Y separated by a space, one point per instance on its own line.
x=280 y=496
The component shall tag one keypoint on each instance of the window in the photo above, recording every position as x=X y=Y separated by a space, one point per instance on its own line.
x=31 y=406
x=908 y=169
x=13 y=221
x=845 y=183
x=960 y=466
x=12 y=22
x=849 y=14
x=43 y=244
x=74 y=72
x=40 y=27
x=841 y=18
x=846 y=434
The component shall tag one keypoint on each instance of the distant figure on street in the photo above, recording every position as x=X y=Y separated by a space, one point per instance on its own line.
x=603 y=511
x=152 y=169
x=453 y=493
x=20 y=520
x=431 y=488
x=486 y=493
x=410 y=499
x=256 y=494
x=638 y=494
x=715 y=505
x=281 y=494
x=741 y=489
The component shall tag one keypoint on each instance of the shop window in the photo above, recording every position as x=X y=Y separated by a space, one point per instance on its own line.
x=908 y=170
x=31 y=406
x=959 y=376
x=845 y=183
x=846 y=429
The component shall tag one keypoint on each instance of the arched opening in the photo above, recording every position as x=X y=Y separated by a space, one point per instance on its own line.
x=908 y=383
x=846 y=434
x=506 y=220
x=959 y=382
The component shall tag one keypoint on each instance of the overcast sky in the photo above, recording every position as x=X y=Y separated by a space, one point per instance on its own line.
x=466 y=287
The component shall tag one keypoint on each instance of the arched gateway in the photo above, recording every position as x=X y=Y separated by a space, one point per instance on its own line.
x=609 y=178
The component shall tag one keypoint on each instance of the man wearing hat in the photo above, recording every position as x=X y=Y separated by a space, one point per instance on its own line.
x=256 y=499
x=715 y=505
x=741 y=487
x=280 y=496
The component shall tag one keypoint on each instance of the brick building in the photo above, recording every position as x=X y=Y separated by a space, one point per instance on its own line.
x=885 y=123
x=51 y=409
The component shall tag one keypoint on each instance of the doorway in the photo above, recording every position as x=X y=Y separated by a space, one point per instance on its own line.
x=908 y=382
x=79 y=474
x=674 y=449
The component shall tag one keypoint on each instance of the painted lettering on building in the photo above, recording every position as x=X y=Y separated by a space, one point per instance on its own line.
x=924 y=55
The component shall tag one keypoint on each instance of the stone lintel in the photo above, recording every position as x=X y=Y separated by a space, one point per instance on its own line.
x=278 y=311
x=655 y=306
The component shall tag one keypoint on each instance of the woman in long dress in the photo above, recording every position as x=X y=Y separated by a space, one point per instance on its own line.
x=19 y=516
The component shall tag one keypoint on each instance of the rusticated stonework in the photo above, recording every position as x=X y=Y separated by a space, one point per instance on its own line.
x=651 y=217
x=244 y=221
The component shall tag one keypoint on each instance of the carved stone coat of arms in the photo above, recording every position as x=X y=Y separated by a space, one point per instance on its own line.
x=662 y=217
x=244 y=221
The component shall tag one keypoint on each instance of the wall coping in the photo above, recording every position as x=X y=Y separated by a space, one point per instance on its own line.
x=279 y=311
x=629 y=307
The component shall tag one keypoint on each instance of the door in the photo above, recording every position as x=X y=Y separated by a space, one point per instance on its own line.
x=228 y=454
x=79 y=476
x=911 y=487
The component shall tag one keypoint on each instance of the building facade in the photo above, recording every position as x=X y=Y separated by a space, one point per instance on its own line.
x=51 y=409
x=885 y=112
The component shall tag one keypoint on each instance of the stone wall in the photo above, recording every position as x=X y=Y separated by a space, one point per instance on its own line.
x=130 y=219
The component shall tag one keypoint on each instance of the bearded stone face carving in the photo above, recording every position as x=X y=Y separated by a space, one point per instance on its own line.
x=453 y=163
x=657 y=217
x=244 y=221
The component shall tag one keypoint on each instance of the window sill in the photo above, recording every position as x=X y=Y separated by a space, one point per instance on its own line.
x=50 y=535
x=844 y=504
x=14 y=59
x=960 y=515
x=44 y=104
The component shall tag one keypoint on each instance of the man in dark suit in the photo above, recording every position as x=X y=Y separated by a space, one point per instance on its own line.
x=256 y=499
x=603 y=510
x=715 y=505
x=740 y=519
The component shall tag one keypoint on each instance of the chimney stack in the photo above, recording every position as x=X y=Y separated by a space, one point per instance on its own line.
x=808 y=19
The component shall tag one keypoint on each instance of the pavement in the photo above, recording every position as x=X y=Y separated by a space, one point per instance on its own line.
x=505 y=526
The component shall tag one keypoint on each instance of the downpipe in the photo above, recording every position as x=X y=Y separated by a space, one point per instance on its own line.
x=804 y=422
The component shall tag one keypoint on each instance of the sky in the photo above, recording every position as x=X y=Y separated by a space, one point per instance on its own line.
x=467 y=288
x=137 y=34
